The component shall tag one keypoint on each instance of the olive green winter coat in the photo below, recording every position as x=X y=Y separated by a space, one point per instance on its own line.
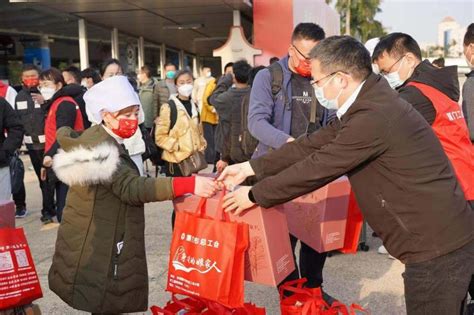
x=99 y=264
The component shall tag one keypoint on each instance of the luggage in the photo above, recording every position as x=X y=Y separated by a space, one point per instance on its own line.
x=7 y=214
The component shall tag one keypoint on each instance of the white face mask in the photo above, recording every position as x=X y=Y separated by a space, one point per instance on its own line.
x=47 y=93
x=329 y=104
x=84 y=83
x=185 y=90
x=394 y=79
x=208 y=74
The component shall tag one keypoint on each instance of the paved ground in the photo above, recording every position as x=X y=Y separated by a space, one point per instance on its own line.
x=372 y=280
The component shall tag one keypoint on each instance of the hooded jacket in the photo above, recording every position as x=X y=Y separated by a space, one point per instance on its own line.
x=403 y=181
x=443 y=79
x=99 y=264
x=11 y=126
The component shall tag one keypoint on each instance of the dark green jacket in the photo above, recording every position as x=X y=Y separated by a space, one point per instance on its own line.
x=99 y=264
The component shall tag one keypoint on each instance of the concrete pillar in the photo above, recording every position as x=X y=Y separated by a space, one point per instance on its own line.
x=141 y=52
x=195 y=66
x=83 y=45
x=115 y=43
x=162 y=61
x=236 y=18
x=181 y=59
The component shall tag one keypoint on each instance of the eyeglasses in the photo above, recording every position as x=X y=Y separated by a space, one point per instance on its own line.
x=313 y=82
x=302 y=55
x=382 y=72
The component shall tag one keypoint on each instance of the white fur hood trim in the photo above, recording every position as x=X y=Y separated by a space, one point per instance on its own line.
x=87 y=166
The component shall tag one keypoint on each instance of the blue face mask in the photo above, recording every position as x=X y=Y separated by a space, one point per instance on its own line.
x=170 y=74
x=319 y=93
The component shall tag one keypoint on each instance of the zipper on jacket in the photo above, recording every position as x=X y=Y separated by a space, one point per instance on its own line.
x=119 y=248
x=397 y=218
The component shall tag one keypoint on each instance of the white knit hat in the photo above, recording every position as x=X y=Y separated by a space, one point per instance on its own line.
x=110 y=95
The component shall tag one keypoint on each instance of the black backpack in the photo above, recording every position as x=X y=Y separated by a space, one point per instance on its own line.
x=154 y=151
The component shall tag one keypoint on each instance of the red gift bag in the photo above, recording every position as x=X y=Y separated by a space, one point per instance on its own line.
x=191 y=306
x=19 y=283
x=207 y=257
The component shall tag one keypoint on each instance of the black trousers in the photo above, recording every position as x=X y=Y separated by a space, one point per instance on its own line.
x=310 y=267
x=209 y=132
x=55 y=187
x=36 y=158
x=439 y=286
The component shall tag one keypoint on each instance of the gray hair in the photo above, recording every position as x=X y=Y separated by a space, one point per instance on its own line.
x=343 y=53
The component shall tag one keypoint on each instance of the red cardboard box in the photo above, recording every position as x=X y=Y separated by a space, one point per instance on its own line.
x=7 y=214
x=319 y=218
x=269 y=259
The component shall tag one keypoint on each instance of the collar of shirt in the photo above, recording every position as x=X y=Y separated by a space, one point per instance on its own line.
x=113 y=135
x=347 y=104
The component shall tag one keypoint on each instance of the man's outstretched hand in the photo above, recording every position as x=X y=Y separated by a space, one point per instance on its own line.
x=234 y=175
x=238 y=201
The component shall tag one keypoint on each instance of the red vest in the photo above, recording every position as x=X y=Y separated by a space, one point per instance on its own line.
x=3 y=89
x=451 y=129
x=50 y=124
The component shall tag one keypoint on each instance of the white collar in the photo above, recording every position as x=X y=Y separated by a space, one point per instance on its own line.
x=113 y=135
x=348 y=103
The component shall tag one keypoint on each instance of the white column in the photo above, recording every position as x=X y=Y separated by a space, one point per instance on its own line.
x=115 y=43
x=195 y=66
x=181 y=59
x=236 y=16
x=141 y=52
x=83 y=45
x=162 y=60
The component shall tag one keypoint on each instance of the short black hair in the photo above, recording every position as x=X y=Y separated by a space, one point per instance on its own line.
x=396 y=45
x=229 y=64
x=469 y=36
x=75 y=72
x=146 y=70
x=310 y=31
x=91 y=73
x=108 y=62
x=241 y=71
x=253 y=73
x=438 y=62
x=170 y=64
x=273 y=59
x=345 y=54
x=52 y=74
x=181 y=73
x=30 y=67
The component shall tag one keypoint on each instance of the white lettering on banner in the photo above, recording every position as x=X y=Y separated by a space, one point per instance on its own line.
x=458 y=114
x=202 y=265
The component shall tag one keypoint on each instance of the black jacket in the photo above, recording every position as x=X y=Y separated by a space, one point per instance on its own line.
x=77 y=92
x=32 y=116
x=401 y=177
x=66 y=113
x=11 y=125
x=443 y=79
x=224 y=99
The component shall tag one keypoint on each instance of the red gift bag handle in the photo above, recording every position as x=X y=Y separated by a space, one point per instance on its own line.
x=354 y=308
x=295 y=286
x=220 y=213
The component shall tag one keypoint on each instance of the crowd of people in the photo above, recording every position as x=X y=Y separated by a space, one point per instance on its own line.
x=284 y=130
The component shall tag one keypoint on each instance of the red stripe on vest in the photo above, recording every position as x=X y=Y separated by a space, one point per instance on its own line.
x=50 y=124
x=451 y=129
x=3 y=89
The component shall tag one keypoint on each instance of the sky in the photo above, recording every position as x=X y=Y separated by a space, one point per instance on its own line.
x=420 y=18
